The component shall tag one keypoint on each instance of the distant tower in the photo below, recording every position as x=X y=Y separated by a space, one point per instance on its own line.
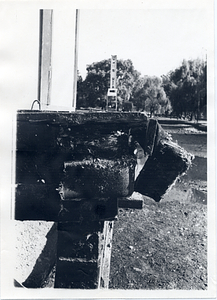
x=113 y=72
x=112 y=91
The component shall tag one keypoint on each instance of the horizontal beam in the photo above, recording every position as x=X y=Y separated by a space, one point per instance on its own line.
x=130 y=203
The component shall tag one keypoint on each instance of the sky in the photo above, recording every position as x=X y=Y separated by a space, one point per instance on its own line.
x=155 y=37
x=156 y=40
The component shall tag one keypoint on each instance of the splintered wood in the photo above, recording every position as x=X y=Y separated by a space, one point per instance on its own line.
x=105 y=248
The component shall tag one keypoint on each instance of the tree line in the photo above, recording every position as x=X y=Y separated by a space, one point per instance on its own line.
x=182 y=92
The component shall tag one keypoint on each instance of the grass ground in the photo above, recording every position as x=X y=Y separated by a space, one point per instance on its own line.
x=162 y=246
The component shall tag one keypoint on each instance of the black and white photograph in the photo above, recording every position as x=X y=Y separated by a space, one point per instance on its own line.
x=107 y=149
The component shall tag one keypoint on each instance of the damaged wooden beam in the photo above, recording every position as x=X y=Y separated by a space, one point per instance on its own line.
x=77 y=169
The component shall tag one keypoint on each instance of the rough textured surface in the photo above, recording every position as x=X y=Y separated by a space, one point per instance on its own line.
x=45 y=262
x=46 y=140
x=76 y=275
x=100 y=177
x=77 y=255
x=164 y=246
x=37 y=202
x=46 y=143
x=94 y=209
x=79 y=134
x=29 y=244
x=104 y=258
x=167 y=163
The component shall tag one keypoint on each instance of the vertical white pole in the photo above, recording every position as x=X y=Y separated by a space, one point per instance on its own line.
x=113 y=77
x=75 y=60
x=113 y=72
x=45 y=49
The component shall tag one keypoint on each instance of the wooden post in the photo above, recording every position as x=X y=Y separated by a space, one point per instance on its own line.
x=105 y=254
x=107 y=102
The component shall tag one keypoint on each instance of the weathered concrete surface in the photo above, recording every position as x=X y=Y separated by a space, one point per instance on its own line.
x=90 y=155
x=30 y=245
x=46 y=141
x=167 y=163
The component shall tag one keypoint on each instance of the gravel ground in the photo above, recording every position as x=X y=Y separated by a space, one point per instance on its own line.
x=164 y=245
x=30 y=241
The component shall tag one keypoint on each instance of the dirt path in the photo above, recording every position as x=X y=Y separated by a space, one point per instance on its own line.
x=164 y=246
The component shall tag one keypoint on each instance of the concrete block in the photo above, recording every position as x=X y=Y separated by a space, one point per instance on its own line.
x=94 y=209
x=73 y=244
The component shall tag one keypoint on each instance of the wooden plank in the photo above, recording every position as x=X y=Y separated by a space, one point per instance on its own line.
x=105 y=254
x=79 y=117
x=62 y=132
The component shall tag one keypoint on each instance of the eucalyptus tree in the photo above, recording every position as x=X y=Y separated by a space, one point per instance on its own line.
x=97 y=82
x=149 y=95
x=187 y=88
